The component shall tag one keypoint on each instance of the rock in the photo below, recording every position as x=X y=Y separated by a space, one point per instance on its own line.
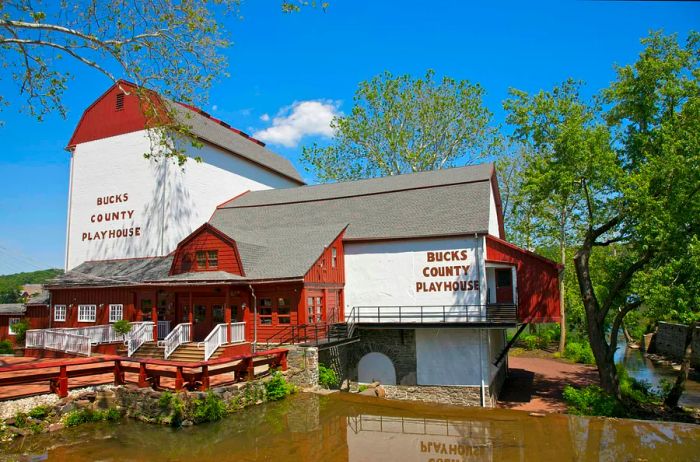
x=83 y=403
x=187 y=423
x=537 y=414
x=345 y=386
x=54 y=427
x=374 y=384
x=380 y=391
x=11 y=421
x=19 y=431
x=368 y=392
x=66 y=408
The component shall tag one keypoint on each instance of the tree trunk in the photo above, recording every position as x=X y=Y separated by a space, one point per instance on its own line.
x=628 y=337
x=675 y=395
x=562 y=287
x=596 y=324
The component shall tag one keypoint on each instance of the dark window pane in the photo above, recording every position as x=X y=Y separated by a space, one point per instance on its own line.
x=213 y=256
x=201 y=259
x=218 y=314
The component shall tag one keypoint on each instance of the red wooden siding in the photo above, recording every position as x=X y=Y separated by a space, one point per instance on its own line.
x=204 y=239
x=289 y=291
x=323 y=270
x=101 y=297
x=538 y=281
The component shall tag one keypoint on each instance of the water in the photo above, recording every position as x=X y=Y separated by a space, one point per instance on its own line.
x=344 y=427
x=642 y=368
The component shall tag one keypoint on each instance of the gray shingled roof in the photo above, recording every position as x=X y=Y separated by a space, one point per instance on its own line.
x=114 y=272
x=12 y=308
x=444 y=202
x=215 y=133
x=41 y=298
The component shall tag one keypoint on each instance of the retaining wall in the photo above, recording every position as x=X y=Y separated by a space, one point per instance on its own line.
x=670 y=341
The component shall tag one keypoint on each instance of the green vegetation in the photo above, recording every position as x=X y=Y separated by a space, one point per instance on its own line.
x=20 y=330
x=6 y=347
x=82 y=416
x=362 y=388
x=579 y=352
x=327 y=377
x=10 y=283
x=122 y=327
x=209 y=409
x=277 y=387
x=40 y=412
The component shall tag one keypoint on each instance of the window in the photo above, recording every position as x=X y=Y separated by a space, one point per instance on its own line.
x=313 y=306
x=207 y=259
x=334 y=257
x=212 y=258
x=217 y=314
x=116 y=313
x=11 y=324
x=283 y=311
x=318 y=309
x=59 y=312
x=119 y=105
x=146 y=309
x=265 y=311
x=87 y=313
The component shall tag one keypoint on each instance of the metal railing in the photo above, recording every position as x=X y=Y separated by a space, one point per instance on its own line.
x=176 y=337
x=433 y=314
x=163 y=329
x=138 y=336
x=59 y=340
x=313 y=334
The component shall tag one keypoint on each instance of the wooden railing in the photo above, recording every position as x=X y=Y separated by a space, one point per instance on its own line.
x=434 y=314
x=237 y=332
x=176 y=337
x=139 y=335
x=59 y=340
x=163 y=329
x=216 y=338
x=146 y=372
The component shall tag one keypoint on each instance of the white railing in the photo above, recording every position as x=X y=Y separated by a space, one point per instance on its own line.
x=97 y=334
x=214 y=340
x=138 y=336
x=178 y=336
x=237 y=332
x=163 y=329
x=59 y=340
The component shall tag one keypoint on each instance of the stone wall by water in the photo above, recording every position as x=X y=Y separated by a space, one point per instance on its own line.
x=399 y=345
x=302 y=364
x=670 y=341
x=458 y=396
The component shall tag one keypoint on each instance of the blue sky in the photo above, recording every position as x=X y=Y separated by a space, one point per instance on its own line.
x=279 y=63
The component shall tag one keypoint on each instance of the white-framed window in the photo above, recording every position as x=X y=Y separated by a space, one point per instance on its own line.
x=11 y=323
x=59 y=312
x=116 y=312
x=87 y=313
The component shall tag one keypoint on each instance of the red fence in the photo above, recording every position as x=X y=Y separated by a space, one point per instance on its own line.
x=191 y=375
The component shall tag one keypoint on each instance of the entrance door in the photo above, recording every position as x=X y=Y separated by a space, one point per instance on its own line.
x=504 y=285
x=202 y=322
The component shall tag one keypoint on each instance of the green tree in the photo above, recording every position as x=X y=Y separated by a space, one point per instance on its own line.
x=404 y=124
x=633 y=164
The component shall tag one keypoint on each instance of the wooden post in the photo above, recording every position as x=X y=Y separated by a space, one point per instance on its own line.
x=154 y=315
x=283 y=360
x=303 y=317
x=118 y=373
x=250 y=368
x=324 y=306
x=179 y=381
x=205 y=378
x=142 y=376
x=227 y=315
x=191 y=316
x=63 y=382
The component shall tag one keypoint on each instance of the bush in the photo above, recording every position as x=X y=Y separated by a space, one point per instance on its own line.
x=579 y=352
x=327 y=377
x=122 y=327
x=639 y=391
x=592 y=400
x=529 y=341
x=209 y=409
x=277 y=387
x=6 y=347
x=20 y=329
x=81 y=416
x=40 y=412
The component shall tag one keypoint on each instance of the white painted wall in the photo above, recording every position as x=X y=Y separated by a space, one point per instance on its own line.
x=448 y=357
x=165 y=202
x=496 y=345
x=386 y=273
x=493 y=215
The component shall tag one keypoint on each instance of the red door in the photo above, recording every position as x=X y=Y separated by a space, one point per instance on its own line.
x=504 y=285
x=202 y=322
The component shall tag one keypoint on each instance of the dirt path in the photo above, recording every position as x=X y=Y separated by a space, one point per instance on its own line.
x=537 y=384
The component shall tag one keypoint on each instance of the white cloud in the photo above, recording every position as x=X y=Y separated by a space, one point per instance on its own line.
x=214 y=107
x=265 y=118
x=302 y=118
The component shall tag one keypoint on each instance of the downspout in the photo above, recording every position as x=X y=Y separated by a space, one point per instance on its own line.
x=255 y=318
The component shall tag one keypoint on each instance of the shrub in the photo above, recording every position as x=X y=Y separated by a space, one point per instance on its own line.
x=6 y=347
x=579 y=352
x=277 y=387
x=636 y=390
x=21 y=420
x=362 y=388
x=327 y=377
x=209 y=409
x=20 y=329
x=40 y=412
x=529 y=341
x=81 y=416
x=122 y=327
x=592 y=400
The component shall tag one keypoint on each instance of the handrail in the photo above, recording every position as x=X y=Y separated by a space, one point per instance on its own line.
x=215 y=339
x=138 y=336
x=58 y=340
x=176 y=337
x=423 y=314
x=163 y=329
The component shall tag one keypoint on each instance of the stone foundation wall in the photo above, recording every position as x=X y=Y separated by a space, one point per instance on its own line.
x=336 y=358
x=458 y=396
x=302 y=364
x=670 y=341
x=399 y=345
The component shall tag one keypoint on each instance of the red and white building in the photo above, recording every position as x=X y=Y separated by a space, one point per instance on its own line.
x=412 y=273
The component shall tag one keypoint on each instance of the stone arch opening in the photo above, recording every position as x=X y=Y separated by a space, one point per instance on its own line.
x=376 y=366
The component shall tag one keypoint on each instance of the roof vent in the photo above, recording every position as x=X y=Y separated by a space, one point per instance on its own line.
x=120 y=102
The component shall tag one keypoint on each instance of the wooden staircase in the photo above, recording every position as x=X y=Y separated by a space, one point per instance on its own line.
x=186 y=352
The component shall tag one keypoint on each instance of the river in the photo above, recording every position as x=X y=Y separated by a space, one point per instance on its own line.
x=343 y=427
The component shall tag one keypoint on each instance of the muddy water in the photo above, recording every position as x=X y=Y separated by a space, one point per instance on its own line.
x=352 y=428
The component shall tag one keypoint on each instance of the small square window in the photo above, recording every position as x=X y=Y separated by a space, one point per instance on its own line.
x=59 y=313
x=212 y=258
x=201 y=259
x=283 y=311
x=116 y=313
x=11 y=325
x=265 y=311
